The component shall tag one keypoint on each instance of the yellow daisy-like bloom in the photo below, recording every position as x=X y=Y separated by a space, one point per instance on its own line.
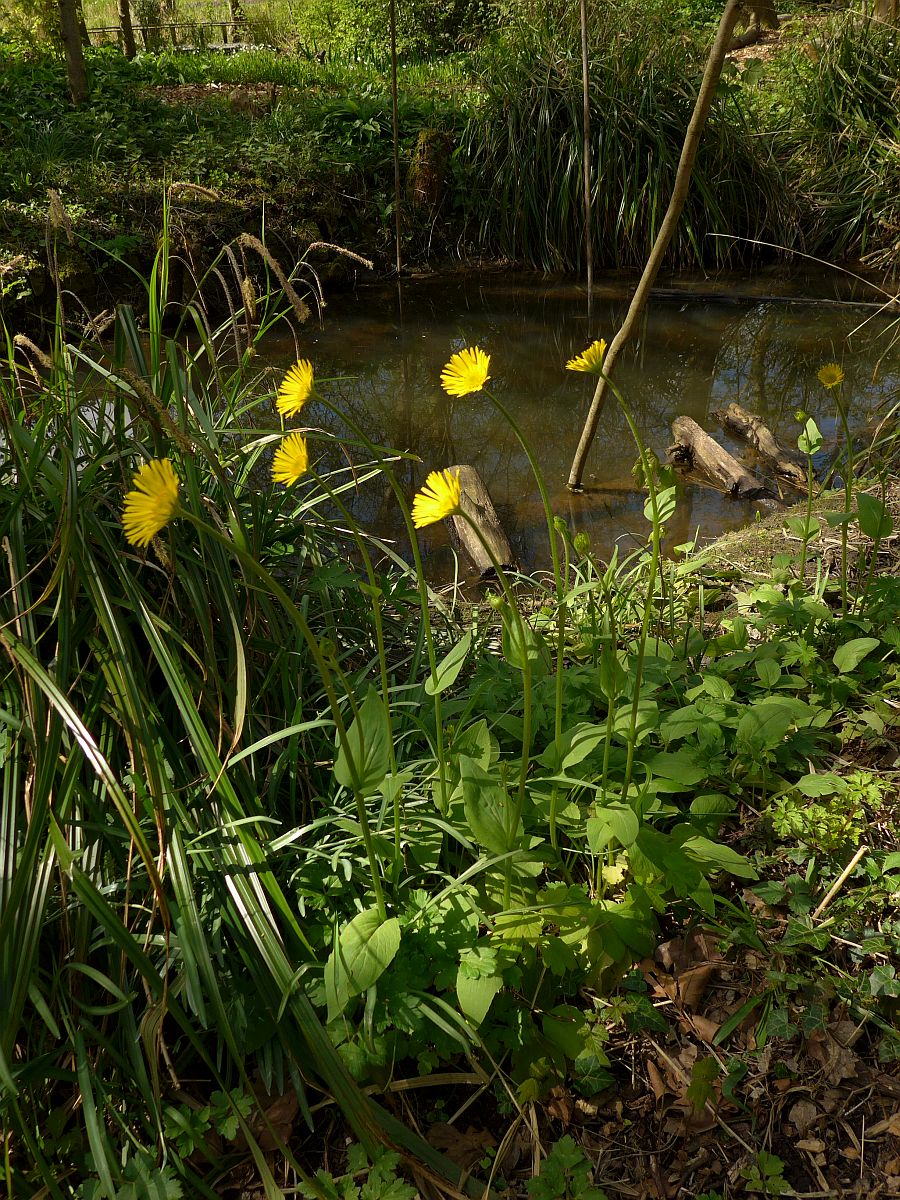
x=466 y=372
x=439 y=498
x=296 y=388
x=590 y=360
x=830 y=375
x=291 y=460
x=153 y=502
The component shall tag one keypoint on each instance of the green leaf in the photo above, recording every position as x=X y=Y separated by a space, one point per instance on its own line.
x=520 y=642
x=612 y=675
x=572 y=746
x=700 y=1091
x=851 y=654
x=678 y=765
x=768 y=671
x=487 y=807
x=564 y=1028
x=449 y=667
x=810 y=440
x=475 y=994
x=874 y=519
x=615 y=821
x=821 y=785
x=368 y=744
x=764 y=724
x=366 y=948
x=802 y=528
x=715 y=856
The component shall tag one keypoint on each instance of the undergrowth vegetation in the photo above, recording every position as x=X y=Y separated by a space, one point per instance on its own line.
x=282 y=828
x=799 y=154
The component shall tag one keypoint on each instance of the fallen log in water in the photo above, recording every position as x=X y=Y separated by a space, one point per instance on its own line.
x=696 y=451
x=475 y=501
x=761 y=438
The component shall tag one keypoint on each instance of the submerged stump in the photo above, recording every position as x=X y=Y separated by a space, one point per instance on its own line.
x=760 y=437
x=475 y=501
x=694 y=450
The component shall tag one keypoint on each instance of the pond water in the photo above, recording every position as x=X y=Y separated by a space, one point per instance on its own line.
x=385 y=347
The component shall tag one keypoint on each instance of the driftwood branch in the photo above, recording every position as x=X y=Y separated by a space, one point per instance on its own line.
x=760 y=437
x=475 y=501
x=667 y=229
x=695 y=451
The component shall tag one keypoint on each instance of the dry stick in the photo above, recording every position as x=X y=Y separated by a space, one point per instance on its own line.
x=667 y=229
x=839 y=882
x=586 y=122
x=395 y=117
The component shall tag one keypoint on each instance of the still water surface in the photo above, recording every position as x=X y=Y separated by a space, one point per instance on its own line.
x=385 y=349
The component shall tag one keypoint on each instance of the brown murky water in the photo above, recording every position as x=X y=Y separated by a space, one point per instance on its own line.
x=384 y=348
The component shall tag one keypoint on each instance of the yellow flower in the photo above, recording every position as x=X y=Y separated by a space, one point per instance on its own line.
x=590 y=360
x=295 y=389
x=153 y=502
x=466 y=372
x=831 y=375
x=439 y=498
x=291 y=460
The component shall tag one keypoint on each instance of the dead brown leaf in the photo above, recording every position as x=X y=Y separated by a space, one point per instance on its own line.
x=802 y=1114
x=463 y=1148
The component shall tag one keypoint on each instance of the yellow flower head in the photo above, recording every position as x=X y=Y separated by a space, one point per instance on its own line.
x=831 y=375
x=291 y=460
x=153 y=502
x=590 y=360
x=295 y=389
x=466 y=372
x=439 y=498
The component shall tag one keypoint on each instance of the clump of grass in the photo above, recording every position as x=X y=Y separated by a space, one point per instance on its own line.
x=524 y=148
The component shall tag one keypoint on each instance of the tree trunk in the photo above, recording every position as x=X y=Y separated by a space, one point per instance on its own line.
x=129 y=47
x=70 y=31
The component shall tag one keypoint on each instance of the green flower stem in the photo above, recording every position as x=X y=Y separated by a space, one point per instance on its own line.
x=255 y=568
x=649 y=468
x=848 y=496
x=526 y=699
x=422 y=588
x=561 y=606
x=382 y=654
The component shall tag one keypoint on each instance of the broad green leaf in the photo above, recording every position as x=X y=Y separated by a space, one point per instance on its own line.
x=615 y=821
x=449 y=667
x=764 y=725
x=678 y=765
x=850 y=655
x=365 y=949
x=488 y=808
x=768 y=671
x=564 y=1028
x=475 y=741
x=821 y=785
x=700 y=1091
x=802 y=528
x=475 y=994
x=874 y=519
x=573 y=746
x=520 y=642
x=611 y=676
x=367 y=743
x=810 y=440
x=717 y=857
